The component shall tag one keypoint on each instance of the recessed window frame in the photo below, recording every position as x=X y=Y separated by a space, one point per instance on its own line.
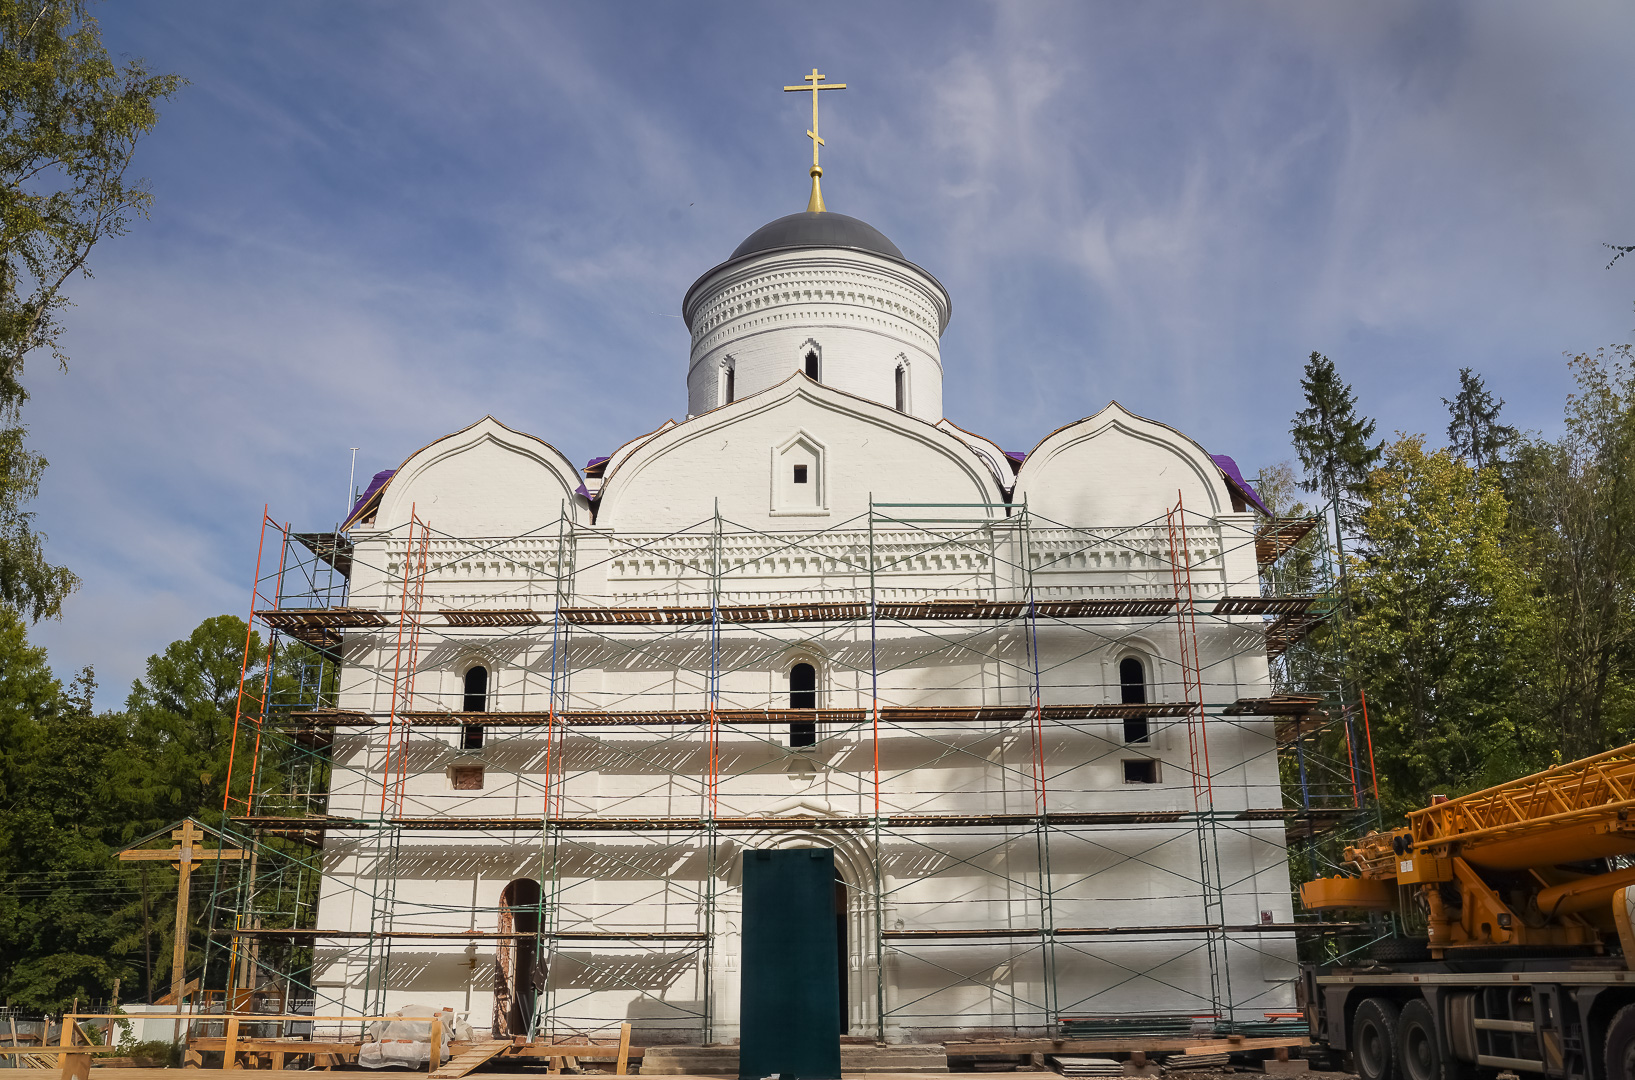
x=1143 y=771
x=803 y=733
x=1132 y=690
x=474 y=699
x=813 y=495
x=809 y=360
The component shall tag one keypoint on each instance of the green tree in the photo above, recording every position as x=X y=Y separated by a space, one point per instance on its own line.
x=1332 y=442
x=75 y=786
x=182 y=720
x=1575 y=514
x=1441 y=627
x=72 y=119
x=60 y=931
x=1474 y=431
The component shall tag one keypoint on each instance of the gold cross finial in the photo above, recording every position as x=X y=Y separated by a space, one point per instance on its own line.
x=815 y=203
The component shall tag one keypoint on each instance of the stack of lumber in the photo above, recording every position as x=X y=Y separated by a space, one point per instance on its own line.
x=1190 y=1062
x=1087 y=1066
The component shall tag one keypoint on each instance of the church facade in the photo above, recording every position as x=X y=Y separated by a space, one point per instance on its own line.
x=1012 y=692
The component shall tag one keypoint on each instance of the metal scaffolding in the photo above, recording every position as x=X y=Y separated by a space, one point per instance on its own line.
x=1010 y=629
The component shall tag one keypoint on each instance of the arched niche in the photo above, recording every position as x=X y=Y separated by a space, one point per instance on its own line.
x=1119 y=469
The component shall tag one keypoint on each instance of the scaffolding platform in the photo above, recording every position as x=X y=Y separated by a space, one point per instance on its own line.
x=321 y=627
x=1278 y=537
x=492 y=617
x=1290 y=629
x=1054 y=819
x=886 y=714
x=1192 y=930
x=309 y=936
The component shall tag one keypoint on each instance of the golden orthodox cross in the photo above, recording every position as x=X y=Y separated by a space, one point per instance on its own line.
x=187 y=857
x=815 y=204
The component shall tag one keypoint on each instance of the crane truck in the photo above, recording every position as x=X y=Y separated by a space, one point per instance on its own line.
x=1516 y=953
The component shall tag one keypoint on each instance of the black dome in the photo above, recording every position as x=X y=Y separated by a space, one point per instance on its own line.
x=808 y=229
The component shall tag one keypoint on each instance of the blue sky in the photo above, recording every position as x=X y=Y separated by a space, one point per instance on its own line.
x=376 y=223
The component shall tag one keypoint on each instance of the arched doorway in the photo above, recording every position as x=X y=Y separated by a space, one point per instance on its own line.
x=519 y=977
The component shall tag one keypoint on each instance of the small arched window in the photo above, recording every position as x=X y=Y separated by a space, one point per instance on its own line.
x=812 y=366
x=902 y=389
x=1132 y=690
x=476 y=700
x=802 y=695
x=729 y=384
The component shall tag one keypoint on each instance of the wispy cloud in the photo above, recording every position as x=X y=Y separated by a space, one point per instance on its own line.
x=375 y=225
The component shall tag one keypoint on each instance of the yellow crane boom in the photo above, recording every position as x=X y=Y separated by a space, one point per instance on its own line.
x=1521 y=863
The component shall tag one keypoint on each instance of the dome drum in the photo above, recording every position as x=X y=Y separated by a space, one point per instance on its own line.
x=817 y=285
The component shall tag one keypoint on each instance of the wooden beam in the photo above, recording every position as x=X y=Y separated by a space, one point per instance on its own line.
x=169 y=854
x=178 y=949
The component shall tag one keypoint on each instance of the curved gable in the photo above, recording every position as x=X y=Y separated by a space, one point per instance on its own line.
x=486 y=480
x=745 y=454
x=1116 y=468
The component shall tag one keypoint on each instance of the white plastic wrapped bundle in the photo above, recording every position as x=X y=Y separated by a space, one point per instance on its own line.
x=406 y=1042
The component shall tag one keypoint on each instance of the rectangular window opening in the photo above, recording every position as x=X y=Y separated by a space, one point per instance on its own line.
x=467 y=777
x=1136 y=729
x=471 y=736
x=800 y=474
x=1141 y=771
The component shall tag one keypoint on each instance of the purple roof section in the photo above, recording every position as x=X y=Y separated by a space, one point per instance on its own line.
x=595 y=461
x=1017 y=456
x=374 y=485
x=1236 y=480
x=582 y=490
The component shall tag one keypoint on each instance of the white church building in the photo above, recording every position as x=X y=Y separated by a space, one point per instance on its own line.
x=1019 y=695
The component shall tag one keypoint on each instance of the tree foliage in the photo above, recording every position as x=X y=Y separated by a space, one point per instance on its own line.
x=1491 y=604
x=75 y=786
x=70 y=121
x=1441 y=626
x=1575 y=520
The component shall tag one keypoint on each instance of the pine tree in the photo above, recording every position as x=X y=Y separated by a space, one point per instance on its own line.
x=1333 y=441
x=82 y=692
x=1474 y=431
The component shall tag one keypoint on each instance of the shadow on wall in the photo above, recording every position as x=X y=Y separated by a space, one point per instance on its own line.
x=654 y=972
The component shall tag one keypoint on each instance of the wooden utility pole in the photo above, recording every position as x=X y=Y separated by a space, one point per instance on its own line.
x=186 y=857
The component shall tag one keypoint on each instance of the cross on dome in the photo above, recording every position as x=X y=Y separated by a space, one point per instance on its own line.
x=815 y=203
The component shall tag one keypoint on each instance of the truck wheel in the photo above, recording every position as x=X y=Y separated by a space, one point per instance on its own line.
x=1419 y=1055
x=1620 y=1050
x=1374 y=1039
